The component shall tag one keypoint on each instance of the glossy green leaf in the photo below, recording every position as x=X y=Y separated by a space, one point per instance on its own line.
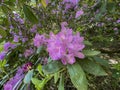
x=36 y=82
x=90 y=52
x=77 y=76
x=101 y=61
x=52 y=67
x=39 y=84
x=39 y=49
x=39 y=68
x=61 y=83
x=29 y=14
x=28 y=76
x=92 y=67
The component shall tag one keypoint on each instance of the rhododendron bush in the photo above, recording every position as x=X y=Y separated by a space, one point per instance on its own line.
x=45 y=43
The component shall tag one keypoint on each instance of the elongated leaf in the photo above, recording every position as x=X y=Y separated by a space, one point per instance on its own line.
x=92 y=68
x=36 y=82
x=52 y=67
x=5 y=8
x=28 y=76
x=91 y=52
x=77 y=76
x=3 y=33
x=88 y=43
x=39 y=49
x=61 y=83
x=29 y=14
x=44 y=3
x=39 y=68
x=101 y=61
x=56 y=77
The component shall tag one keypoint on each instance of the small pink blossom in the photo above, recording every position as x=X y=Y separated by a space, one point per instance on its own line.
x=39 y=40
x=79 y=13
x=28 y=52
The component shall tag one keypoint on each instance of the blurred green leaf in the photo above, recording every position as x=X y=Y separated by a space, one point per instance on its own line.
x=5 y=8
x=90 y=52
x=87 y=43
x=77 y=76
x=3 y=33
x=36 y=82
x=52 y=67
x=28 y=76
x=56 y=77
x=92 y=67
x=61 y=83
x=29 y=14
x=101 y=61
x=39 y=68
x=43 y=2
x=39 y=49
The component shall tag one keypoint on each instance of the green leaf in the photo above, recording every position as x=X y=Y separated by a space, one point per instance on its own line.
x=87 y=43
x=77 y=76
x=39 y=84
x=36 y=82
x=56 y=77
x=61 y=83
x=29 y=14
x=5 y=8
x=52 y=67
x=3 y=33
x=43 y=2
x=39 y=68
x=39 y=49
x=101 y=61
x=28 y=76
x=90 y=52
x=92 y=67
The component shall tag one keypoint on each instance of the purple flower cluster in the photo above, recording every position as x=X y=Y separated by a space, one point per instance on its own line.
x=65 y=46
x=28 y=52
x=15 y=81
x=2 y=55
x=70 y=3
x=8 y=46
x=39 y=40
x=79 y=13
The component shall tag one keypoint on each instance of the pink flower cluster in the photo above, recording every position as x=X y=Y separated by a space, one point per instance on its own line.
x=65 y=45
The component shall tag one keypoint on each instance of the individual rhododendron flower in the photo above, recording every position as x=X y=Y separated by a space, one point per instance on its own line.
x=118 y=21
x=34 y=28
x=79 y=13
x=2 y=55
x=24 y=39
x=74 y=2
x=16 y=38
x=65 y=46
x=28 y=52
x=63 y=25
x=26 y=67
x=9 y=45
x=39 y=40
x=70 y=3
